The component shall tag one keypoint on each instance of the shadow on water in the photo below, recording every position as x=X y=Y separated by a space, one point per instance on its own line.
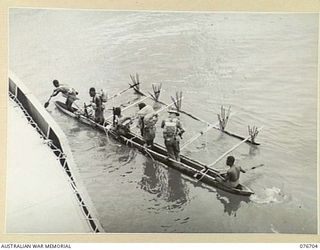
x=154 y=179
x=75 y=130
x=253 y=150
x=156 y=106
x=165 y=183
x=231 y=202
x=125 y=154
x=204 y=145
x=177 y=190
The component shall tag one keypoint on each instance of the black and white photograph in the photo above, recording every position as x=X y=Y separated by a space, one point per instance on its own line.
x=123 y=121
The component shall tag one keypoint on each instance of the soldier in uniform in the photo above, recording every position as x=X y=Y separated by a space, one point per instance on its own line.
x=172 y=133
x=147 y=123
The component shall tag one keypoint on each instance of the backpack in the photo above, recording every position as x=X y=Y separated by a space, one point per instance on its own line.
x=66 y=90
x=170 y=128
x=150 y=120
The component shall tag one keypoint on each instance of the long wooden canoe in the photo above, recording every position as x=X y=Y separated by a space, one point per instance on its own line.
x=187 y=166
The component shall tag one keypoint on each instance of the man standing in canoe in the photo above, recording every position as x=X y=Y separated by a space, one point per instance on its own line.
x=147 y=120
x=69 y=93
x=172 y=133
x=232 y=176
x=97 y=105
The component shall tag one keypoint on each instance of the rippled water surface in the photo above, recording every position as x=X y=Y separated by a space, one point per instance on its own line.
x=263 y=65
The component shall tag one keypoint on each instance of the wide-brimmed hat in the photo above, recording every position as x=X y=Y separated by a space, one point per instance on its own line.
x=173 y=111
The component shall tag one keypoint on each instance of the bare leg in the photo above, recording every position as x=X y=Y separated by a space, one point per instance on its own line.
x=69 y=104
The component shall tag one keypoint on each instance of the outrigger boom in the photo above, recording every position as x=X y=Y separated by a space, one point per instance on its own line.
x=122 y=91
x=167 y=106
x=209 y=167
x=202 y=120
x=230 y=150
x=191 y=140
x=131 y=105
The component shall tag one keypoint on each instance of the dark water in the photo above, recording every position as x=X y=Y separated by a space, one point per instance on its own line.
x=263 y=65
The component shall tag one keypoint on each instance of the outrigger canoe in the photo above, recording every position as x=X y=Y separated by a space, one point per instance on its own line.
x=192 y=168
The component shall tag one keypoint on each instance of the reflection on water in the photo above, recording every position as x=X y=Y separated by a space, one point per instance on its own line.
x=153 y=179
x=75 y=130
x=127 y=157
x=156 y=106
x=231 y=202
x=253 y=150
x=177 y=192
x=165 y=183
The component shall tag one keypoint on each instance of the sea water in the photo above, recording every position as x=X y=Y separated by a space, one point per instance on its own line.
x=263 y=65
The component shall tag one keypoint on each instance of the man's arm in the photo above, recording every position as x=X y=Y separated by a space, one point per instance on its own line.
x=56 y=92
x=98 y=102
x=180 y=129
x=223 y=177
x=226 y=176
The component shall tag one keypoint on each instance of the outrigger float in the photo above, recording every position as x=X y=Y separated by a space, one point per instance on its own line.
x=192 y=168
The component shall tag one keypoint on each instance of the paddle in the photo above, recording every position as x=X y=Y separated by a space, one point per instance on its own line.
x=246 y=170
x=47 y=103
x=254 y=167
x=220 y=174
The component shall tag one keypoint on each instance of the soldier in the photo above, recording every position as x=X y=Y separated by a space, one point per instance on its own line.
x=172 y=133
x=147 y=123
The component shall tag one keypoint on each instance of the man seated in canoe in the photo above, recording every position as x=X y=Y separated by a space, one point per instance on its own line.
x=172 y=133
x=147 y=119
x=232 y=176
x=69 y=93
x=97 y=104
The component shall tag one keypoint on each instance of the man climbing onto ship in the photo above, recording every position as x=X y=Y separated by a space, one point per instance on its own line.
x=69 y=93
x=232 y=176
x=172 y=133
x=147 y=119
x=97 y=104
